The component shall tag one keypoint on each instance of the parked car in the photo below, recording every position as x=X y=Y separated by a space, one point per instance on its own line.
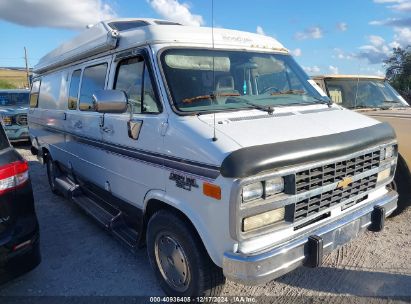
x=19 y=229
x=223 y=156
x=14 y=105
x=375 y=97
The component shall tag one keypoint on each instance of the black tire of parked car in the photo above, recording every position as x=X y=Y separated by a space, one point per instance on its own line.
x=402 y=184
x=52 y=172
x=199 y=275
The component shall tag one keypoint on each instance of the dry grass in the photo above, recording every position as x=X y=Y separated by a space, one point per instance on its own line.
x=12 y=79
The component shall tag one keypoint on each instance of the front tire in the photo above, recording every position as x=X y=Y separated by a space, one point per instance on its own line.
x=179 y=259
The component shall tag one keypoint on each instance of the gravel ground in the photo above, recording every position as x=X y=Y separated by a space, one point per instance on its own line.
x=81 y=259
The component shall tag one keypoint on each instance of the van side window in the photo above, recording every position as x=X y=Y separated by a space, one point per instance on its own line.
x=49 y=95
x=94 y=79
x=150 y=101
x=134 y=79
x=73 y=91
x=34 y=94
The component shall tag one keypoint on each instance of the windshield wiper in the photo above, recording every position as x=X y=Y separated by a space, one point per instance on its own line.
x=209 y=96
x=361 y=106
x=268 y=109
x=379 y=106
x=289 y=92
x=328 y=102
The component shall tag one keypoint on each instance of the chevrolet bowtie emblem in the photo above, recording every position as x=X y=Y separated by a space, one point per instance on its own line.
x=344 y=183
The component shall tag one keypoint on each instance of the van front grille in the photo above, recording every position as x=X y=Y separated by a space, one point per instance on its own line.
x=315 y=204
x=330 y=174
x=21 y=119
x=321 y=176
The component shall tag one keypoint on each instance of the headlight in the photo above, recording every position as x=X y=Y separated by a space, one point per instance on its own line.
x=274 y=186
x=252 y=192
x=7 y=121
x=263 y=219
x=263 y=189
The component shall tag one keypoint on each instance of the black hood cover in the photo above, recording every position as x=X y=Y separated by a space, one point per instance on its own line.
x=253 y=160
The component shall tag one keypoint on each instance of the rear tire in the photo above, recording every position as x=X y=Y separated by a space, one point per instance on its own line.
x=179 y=259
x=52 y=173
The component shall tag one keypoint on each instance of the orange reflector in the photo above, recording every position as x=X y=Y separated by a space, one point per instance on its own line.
x=211 y=190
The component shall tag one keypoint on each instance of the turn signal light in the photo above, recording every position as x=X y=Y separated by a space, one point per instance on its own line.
x=211 y=190
x=7 y=120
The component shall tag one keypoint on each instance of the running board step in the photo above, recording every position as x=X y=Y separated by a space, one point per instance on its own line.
x=112 y=220
x=126 y=235
x=94 y=209
x=67 y=187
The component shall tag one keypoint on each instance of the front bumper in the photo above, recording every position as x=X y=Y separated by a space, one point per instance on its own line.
x=264 y=267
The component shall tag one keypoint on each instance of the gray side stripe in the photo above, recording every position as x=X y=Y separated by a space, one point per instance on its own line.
x=196 y=168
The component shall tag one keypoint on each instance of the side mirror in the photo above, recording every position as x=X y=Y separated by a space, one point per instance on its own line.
x=110 y=101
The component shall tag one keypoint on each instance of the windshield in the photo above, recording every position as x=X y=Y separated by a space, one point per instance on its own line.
x=364 y=93
x=14 y=99
x=213 y=80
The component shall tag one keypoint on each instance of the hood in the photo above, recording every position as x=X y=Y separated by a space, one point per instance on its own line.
x=252 y=128
x=252 y=141
x=294 y=137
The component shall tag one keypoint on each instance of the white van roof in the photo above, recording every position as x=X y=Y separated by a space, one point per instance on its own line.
x=127 y=33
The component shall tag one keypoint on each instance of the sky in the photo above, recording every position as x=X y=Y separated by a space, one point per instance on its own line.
x=326 y=37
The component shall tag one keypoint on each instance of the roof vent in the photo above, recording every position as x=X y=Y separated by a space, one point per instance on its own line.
x=162 y=22
x=127 y=25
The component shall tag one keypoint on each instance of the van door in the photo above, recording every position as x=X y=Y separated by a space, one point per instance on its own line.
x=134 y=139
x=83 y=123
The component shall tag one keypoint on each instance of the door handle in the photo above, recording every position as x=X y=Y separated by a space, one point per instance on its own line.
x=106 y=130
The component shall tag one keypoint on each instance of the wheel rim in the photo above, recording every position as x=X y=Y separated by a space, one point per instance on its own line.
x=172 y=262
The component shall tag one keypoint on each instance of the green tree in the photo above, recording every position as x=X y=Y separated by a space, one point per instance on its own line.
x=399 y=70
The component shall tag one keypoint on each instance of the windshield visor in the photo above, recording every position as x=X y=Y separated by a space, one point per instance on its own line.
x=213 y=80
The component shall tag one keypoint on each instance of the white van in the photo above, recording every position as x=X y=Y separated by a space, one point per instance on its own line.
x=216 y=151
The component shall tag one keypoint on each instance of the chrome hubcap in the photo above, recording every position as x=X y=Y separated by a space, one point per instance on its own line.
x=172 y=262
